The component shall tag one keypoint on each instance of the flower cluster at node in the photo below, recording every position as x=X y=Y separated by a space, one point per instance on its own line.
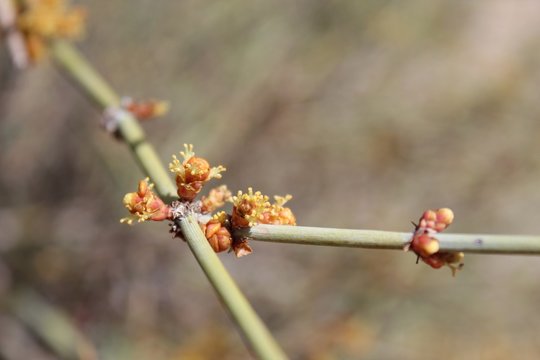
x=426 y=246
x=192 y=173
x=144 y=205
x=43 y=20
x=145 y=110
x=254 y=208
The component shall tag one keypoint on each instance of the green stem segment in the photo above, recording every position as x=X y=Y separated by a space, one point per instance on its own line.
x=253 y=329
x=374 y=239
x=132 y=133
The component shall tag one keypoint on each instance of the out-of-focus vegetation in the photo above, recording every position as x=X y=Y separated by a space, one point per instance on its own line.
x=368 y=112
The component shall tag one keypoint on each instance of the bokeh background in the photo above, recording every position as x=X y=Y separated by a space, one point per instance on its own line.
x=368 y=112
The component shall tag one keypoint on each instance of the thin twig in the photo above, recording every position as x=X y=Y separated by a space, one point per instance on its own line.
x=104 y=96
x=264 y=346
x=255 y=333
x=375 y=239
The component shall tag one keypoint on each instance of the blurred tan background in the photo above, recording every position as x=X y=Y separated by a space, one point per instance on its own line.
x=368 y=112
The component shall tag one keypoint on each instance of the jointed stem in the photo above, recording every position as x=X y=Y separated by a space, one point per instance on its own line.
x=97 y=88
x=252 y=328
x=374 y=239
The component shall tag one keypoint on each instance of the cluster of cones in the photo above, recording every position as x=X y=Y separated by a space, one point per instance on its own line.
x=192 y=173
x=426 y=246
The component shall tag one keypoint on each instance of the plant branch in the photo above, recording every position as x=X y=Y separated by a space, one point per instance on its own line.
x=375 y=239
x=263 y=345
x=97 y=88
x=255 y=333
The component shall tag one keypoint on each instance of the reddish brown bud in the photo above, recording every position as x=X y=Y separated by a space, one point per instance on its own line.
x=429 y=215
x=218 y=236
x=434 y=261
x=445 y=216
x=197 y=169
x=426 y=246
x=189 y=191
x=192 y=173
x=145 y=205
x=145 y=110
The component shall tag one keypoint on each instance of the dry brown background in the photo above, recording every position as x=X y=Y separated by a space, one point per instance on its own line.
x=368 y=112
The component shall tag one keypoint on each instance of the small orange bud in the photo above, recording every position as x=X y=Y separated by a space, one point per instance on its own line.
x=192 y=173
x=197 y=169
x=145 y=205
x=145 y=110
x=248 y=208
x=218 y=236
x=434 y=261
x=429 y=215
x=445 y=216
x=189 y=191
x=438 y=227
x=277 y=214
x=424 y=245
x=212 y=227
x=427 y=247
x=253 y=208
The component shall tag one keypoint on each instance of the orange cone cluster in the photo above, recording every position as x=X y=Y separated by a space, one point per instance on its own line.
x=426 y=246
x=144 y=205
x=254 y=208
x=145 y=110
x=192 y=173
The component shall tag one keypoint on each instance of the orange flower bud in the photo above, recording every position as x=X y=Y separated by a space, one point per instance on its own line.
x=248 y=208
x=218 y=236
x=277 y=214
x=427 y=247
x=145 y=205
x=145 y=110
x=429 y=215
x=189 y=191
x=192 y=173
x=253 y=208
x=445 y=216
x=434 y=261
x=424 y=245
x=198 y=169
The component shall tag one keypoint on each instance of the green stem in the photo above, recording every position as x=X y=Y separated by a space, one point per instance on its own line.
x=97 y=88
x=254 y=331
x=375 y=239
